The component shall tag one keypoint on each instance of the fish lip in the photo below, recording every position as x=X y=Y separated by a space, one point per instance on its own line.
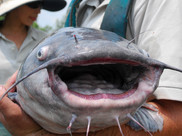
x=70 y=97
x=104 y=95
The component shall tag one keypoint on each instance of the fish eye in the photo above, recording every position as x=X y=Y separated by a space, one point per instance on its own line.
x=42 y=53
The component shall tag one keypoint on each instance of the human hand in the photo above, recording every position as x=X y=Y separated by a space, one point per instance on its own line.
x=12 y=116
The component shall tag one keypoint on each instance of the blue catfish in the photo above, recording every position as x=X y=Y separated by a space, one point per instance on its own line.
x=81 y=80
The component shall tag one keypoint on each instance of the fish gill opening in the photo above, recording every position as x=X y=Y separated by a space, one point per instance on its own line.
x=101 y=78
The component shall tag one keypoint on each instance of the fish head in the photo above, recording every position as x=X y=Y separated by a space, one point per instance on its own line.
x=85 y=74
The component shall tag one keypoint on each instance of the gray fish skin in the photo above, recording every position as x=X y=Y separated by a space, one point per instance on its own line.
x=50 y=102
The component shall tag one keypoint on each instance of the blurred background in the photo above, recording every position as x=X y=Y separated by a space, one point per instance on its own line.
x=51 y=21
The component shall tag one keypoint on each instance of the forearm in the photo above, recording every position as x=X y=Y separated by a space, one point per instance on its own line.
x=171 y=113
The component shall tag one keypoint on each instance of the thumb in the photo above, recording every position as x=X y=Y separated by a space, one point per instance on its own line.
x=5 y=103
x=11 y=81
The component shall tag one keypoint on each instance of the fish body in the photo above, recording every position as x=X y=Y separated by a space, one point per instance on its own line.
x=84 y=77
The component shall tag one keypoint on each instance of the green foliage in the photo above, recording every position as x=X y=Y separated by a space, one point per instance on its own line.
x=2 y=18
x=45 y=29
x=35 y=25
x=59 y=24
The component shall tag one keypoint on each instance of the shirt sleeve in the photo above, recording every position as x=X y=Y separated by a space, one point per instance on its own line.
x=157 y=27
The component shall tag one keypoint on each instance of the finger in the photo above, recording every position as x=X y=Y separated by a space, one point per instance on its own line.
x=6 y=104
x=11 y=81
x=9 y=111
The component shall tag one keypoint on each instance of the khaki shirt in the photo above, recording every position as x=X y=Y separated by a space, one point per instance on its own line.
x=161 y=22
x=11 y=58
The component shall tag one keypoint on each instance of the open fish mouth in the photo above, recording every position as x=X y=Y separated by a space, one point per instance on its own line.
x=92 y=80
x=104 y=79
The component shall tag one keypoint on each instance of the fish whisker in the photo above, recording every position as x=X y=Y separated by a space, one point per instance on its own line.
x=117 y=120
x=21 y=79
x=88 y=126
x=70 y=124
x=43 y=66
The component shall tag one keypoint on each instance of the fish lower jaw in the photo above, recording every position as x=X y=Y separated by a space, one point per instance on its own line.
x=103 y=95
x=133 y=97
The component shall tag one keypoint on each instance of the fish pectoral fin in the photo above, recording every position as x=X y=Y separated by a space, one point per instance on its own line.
x=148 y=117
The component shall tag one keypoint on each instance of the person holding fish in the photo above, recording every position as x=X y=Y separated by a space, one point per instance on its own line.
x=153 y=28
x=17 y=37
